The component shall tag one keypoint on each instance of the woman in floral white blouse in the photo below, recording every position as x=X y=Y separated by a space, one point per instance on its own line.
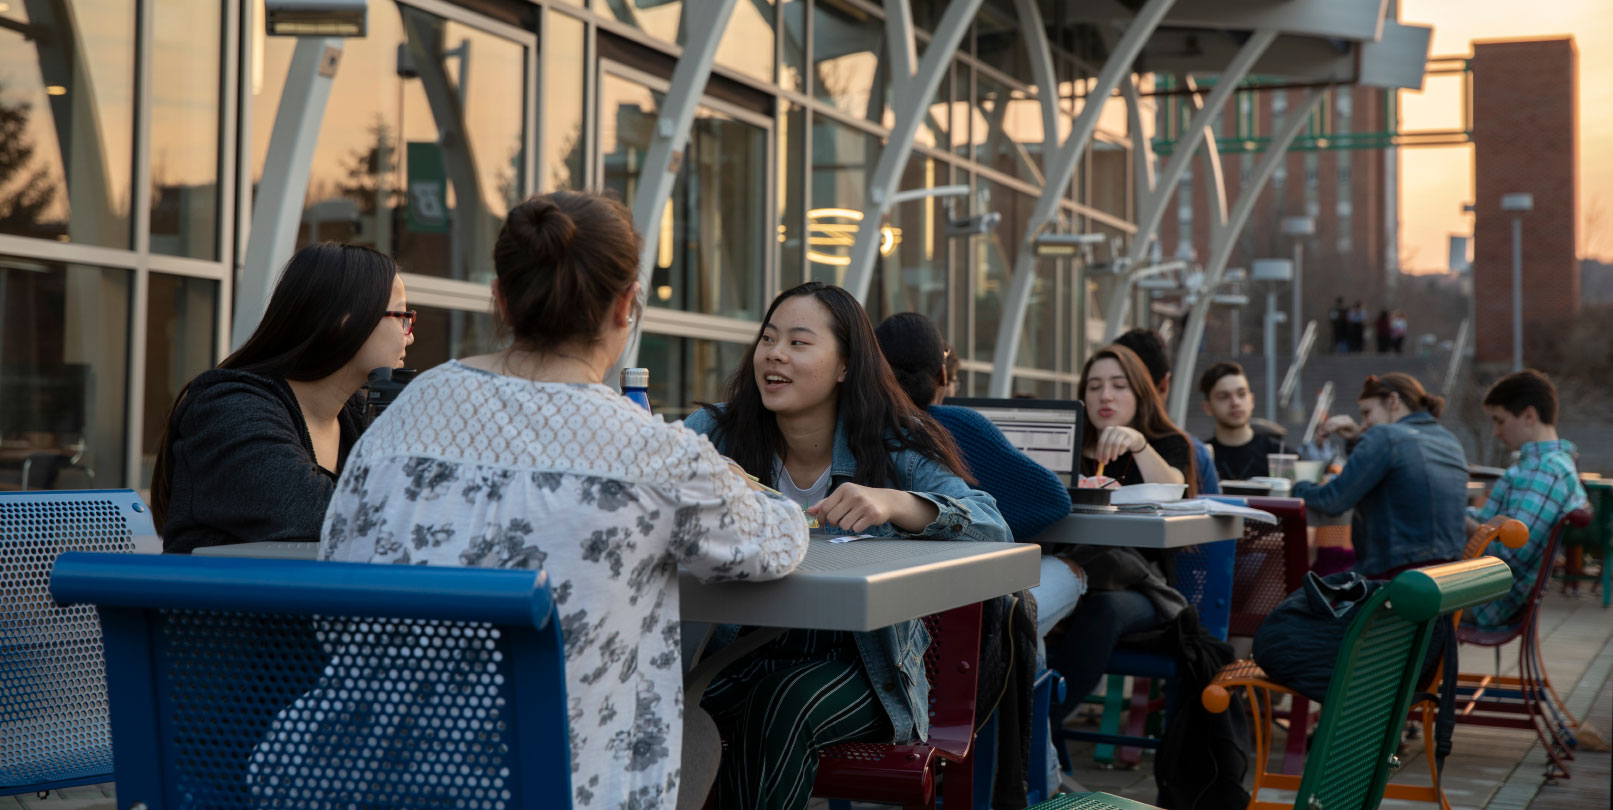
x=524 y=458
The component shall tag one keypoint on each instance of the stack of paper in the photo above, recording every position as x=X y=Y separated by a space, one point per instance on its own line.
x=1206 y=506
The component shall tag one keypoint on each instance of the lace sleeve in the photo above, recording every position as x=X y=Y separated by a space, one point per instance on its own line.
x=724 y=530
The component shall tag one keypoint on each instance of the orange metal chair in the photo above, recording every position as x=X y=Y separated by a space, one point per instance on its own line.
x=1262 y=694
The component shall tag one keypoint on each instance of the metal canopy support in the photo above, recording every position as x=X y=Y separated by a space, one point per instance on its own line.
x=1199 y=132
x=913 y=92
x=1059 y=172
x=706 y=22
x=1034 y=31
x=1222 y=240
x=278 y=210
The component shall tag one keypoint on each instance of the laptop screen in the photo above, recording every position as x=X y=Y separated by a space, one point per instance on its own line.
x=1049 y=431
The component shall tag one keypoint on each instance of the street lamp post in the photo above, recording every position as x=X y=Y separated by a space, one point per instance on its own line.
x=1299 y=228
x=1519 y=204
x=1273 y=272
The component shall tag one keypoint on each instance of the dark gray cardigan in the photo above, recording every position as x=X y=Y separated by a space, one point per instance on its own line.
x=242 y=466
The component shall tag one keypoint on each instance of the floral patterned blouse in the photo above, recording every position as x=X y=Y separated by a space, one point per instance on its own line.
x=478 y=469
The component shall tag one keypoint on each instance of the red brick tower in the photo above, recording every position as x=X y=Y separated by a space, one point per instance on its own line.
x=1524 y=126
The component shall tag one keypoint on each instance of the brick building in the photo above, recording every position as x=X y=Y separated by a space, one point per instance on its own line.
x=1524 y=126
x=1350 y=193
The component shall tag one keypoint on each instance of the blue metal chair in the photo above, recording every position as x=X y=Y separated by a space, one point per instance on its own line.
x=1204 y=575
x=290 y=684
x=54 y=731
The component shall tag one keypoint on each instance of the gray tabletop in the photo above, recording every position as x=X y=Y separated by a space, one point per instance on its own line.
x=1141 y=530
x=867 y=584
x=863 y=585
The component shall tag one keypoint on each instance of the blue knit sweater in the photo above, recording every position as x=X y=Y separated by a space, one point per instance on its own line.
x=1029 y=496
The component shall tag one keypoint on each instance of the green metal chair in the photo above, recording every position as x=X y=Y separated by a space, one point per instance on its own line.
x=1353 y=751
x=1596 y=539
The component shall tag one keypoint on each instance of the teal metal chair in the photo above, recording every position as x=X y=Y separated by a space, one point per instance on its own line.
x=54 y=728
x=1353 y=750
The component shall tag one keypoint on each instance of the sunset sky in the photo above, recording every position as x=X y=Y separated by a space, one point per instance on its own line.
x=1435 y=182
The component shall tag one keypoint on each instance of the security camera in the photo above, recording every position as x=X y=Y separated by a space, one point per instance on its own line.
x=977 y=225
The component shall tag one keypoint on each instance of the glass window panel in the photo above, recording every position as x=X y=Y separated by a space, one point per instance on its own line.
x=792 y=73
x=711 y=248
x=186 y=67
x=409 y=160
x=792 y=194
x=999 y=43
x=1038 y=337
x=1007 y=130
x=842 y=160
x=747 y=41
x=1035 y=389
x=1109 y=187
x=181 y=338
x=64 y=368
x=67 y=120
x=564 y=141
x=686 y=370
x=994 y=255
x=911 y=272
x=441 y=335
x=848 y=60
x=963 y=118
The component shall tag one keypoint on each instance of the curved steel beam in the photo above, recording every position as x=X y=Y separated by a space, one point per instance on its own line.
x=913 y=96
x=670 y=136
x=1221 y=243
x=1059 y=172
x=1199 y=131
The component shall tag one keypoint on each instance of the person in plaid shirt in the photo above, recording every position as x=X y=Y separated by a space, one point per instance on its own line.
x=1538 y=490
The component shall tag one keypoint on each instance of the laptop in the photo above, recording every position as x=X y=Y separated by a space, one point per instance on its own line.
x=1047 y=430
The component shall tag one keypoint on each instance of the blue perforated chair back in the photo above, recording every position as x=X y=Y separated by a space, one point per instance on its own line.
x=54 y=731
x=296 y=684
x=1204 y=576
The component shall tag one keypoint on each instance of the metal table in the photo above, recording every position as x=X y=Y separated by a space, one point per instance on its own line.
x=1144 y=530
x=863 y=585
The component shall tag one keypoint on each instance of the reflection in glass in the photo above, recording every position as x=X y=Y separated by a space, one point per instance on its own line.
x=67 y=120
x=711 y=248
x=1007 y=130
x=911 y=273
x=409 y=160
x=848 y=60
x=792 y=194
x=64 y=367
x=995 y=255
x=441 y=335
x=747 y=41
x=843 y=158
x=564 y=69
x=186 y=64
x=181 y=334
x=1110 y=165
x=684 y=371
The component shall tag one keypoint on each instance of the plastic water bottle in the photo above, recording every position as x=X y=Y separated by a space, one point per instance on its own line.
x=636 y=386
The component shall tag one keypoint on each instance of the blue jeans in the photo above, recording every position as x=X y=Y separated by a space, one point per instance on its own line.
x=1099 y=622
x=1057 y=594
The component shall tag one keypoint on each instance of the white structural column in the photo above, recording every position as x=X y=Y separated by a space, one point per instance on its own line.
x=1034 y=31
x=913 y=91
x=1059 y=172
x=1199 y=131
x=278 y=210
x=705 y=22
x=1221 y=243
x=472 y=225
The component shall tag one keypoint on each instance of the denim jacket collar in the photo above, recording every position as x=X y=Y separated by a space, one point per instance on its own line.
x=842 y=464
x=1418 y=418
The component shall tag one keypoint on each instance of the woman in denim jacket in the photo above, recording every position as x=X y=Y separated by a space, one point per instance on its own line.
x=1406 y=479
x=817 y=414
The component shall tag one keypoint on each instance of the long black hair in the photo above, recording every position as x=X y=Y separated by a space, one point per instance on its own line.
x=878 y=416
x=324 y=308
x=917 y=355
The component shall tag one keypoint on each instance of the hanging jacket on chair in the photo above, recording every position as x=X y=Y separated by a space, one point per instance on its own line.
x=1005 y=687
x=1203 y=756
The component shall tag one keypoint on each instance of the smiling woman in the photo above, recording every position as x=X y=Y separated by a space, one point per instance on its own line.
x=816 y=412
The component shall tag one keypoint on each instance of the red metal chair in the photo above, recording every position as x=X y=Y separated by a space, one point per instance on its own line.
x=1527 y=700
x=910 y=775
x=1271 y=562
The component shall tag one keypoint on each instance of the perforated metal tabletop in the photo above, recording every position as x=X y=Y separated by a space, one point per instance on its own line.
x=1141 y=530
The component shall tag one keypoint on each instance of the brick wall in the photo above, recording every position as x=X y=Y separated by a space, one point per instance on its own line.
x=1524 y=125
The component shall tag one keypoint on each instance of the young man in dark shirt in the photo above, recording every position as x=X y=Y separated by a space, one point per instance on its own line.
x=1240 y=450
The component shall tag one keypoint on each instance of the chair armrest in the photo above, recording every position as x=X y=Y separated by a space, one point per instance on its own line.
x=1244 y=672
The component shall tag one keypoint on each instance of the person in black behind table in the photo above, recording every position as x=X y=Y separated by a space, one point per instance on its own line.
x=1240 y=449
x=251 y=449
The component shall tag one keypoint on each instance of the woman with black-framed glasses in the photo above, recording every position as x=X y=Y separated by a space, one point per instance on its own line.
x=252 y=449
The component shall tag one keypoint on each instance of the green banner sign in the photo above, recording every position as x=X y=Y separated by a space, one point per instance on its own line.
x=428 y=189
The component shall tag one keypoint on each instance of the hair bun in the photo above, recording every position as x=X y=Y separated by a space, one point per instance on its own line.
x=551 y=230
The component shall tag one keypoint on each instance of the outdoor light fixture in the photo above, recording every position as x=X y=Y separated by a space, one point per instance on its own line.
x=836 y=228
x=1067 y=244
x=315 y=18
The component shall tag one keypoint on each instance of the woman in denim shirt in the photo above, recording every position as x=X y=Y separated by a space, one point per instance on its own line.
x=1406 y=479
x=817 y=414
